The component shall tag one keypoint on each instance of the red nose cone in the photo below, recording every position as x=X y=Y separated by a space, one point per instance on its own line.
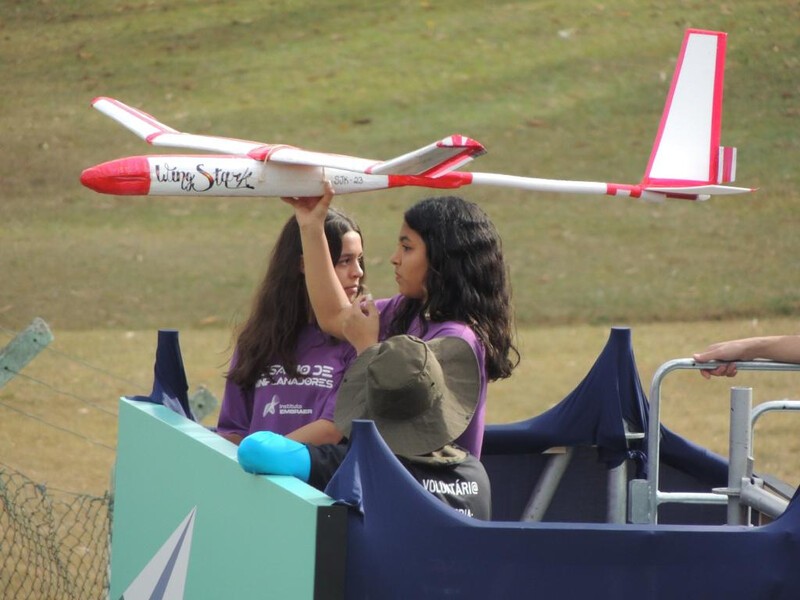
x=121 y=177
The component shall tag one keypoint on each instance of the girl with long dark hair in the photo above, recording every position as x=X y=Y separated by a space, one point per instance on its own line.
x=285 y=370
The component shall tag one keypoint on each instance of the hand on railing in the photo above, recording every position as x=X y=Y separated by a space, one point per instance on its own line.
x=780 y=348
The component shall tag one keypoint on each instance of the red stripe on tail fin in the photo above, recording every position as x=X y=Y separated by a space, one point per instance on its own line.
x=727 y=164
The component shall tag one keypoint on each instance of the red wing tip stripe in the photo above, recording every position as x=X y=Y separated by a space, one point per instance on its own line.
x=460 y=141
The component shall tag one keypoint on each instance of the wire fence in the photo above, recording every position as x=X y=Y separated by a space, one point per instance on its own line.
x=53 y=544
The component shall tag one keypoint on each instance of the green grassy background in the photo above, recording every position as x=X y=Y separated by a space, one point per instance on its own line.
x=565 y=89
x=553 y=89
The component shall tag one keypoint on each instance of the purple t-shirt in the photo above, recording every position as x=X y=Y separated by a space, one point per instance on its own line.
x=472 y=438
x=289 y=402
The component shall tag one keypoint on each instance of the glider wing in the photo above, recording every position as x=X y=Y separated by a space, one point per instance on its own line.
x=433 y=160
x=156 y=133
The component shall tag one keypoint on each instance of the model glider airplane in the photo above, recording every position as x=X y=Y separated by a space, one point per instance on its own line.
x=686 y=162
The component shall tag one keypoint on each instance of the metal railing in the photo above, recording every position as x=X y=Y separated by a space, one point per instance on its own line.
x=742 y=492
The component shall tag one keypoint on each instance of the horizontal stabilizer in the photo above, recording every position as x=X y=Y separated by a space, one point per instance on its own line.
x=701 y=190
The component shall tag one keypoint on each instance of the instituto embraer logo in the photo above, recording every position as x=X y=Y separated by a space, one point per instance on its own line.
x=269 y=409
x=284 y=409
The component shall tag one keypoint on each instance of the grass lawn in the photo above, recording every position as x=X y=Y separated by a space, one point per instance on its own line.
x=553 y=89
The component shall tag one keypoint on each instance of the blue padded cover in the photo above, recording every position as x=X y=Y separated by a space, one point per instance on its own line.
x=404 y=543
x=592 y=414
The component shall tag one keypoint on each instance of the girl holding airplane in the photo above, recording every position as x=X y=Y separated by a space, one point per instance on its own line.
x=452 y=281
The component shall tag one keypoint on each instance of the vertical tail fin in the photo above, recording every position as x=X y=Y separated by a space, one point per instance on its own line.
x=687 y=149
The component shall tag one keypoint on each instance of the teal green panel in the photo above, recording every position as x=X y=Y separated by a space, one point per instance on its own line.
x=253 y=536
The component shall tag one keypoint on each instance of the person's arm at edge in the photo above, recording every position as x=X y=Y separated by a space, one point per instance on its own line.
x=780 y=348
